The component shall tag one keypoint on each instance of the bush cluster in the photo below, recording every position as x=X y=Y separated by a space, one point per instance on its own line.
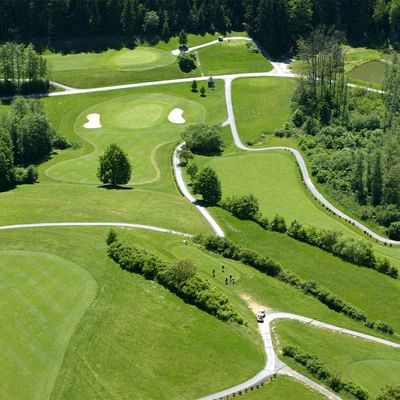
x=180 y=278
x=228 y=249
x=203 y=139
x=317 y=368
x=357 y=252
x=244 y=207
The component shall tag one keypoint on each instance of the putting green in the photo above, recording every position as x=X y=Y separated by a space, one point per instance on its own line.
x=138 y=124
x=385 y=371
x=42 y=301
x=139 y=59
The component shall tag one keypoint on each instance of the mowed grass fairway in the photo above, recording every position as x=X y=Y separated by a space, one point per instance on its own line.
x=231 y=56
x=135 y=340
x=138 y=124
x=369 y=365
x=261 y=105
x=43 y=298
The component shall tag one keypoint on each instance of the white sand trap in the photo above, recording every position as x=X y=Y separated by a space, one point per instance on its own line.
x=93 y=121
x=176 y=116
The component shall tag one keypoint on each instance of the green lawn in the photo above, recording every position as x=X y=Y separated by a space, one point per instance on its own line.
x=55 y=198
x=135 y=339
x=145 y=63
x=43 y=298
x=231 y=57
x=261 y=105
x=283 y=387
x=369 y=365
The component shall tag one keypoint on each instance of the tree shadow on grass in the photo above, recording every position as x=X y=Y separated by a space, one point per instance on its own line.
x=115 y=187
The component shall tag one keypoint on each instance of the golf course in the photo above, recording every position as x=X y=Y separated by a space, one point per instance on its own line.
x=78 y=322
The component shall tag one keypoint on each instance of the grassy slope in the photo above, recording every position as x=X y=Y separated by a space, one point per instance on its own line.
x=283 y=388
x=152 y=344
x=369 y=365
x=43 y=298
x=231 y=57
x=254 y=99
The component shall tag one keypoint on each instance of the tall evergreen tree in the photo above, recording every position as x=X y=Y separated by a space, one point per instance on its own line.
x=376 y=184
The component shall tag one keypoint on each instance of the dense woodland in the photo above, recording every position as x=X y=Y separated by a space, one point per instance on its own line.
x=275 y=23
x=350 y=136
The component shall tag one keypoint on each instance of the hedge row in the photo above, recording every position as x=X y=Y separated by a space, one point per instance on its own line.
x=357 y=252
x=180 y=278
x=317 y=368
x=228 y=249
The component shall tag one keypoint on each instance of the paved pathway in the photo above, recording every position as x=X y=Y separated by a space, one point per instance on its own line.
x=94 y=224
x=275 y=366
x=303 y=169
x=185 y=192
x=176 y=52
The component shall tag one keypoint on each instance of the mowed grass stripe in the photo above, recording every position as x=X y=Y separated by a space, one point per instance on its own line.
x=43 y=299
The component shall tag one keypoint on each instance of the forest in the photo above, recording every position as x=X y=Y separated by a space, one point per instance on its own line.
x=362 y=21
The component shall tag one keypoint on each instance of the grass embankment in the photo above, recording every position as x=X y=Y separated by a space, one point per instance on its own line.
x=283 y=387
x=135 y=339
x=369 y=365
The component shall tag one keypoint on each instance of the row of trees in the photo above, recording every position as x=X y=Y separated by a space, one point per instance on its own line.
x=317 y=368
x=276 y=23
x=26 y=138
x=228 y=249
x=180 y=278
x=22 y=69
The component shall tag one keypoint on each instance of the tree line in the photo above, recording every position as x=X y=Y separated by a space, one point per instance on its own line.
x=270 y=267
x=26 y=138
x=22 y=69
x=276 y=23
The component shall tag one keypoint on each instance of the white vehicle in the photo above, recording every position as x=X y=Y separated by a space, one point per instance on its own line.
x=260 y=317
x=262 y=312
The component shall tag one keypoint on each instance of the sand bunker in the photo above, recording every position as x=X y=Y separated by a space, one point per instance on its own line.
x=176 y=116
x=93 y=121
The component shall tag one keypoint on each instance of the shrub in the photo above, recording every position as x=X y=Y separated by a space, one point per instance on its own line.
x=187 y=62
x=244 y=207
x=192 y=170
x=208 y=185
x=180 y=278
x=278 y=224
x=61 y=142
x=394 y=231
x=203 y=139
x=27 y=175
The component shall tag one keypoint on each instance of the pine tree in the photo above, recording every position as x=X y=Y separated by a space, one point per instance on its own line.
x=358 y=179
x=376 y=184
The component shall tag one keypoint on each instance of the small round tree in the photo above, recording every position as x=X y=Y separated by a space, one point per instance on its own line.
x=208 y=185
x=115 y=168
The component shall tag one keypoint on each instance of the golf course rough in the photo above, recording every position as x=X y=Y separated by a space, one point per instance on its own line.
x=136 y=123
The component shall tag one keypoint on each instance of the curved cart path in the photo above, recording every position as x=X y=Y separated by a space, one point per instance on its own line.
x=275 y=366
x=185 y=192
x=303 y=169
x=94 y=224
